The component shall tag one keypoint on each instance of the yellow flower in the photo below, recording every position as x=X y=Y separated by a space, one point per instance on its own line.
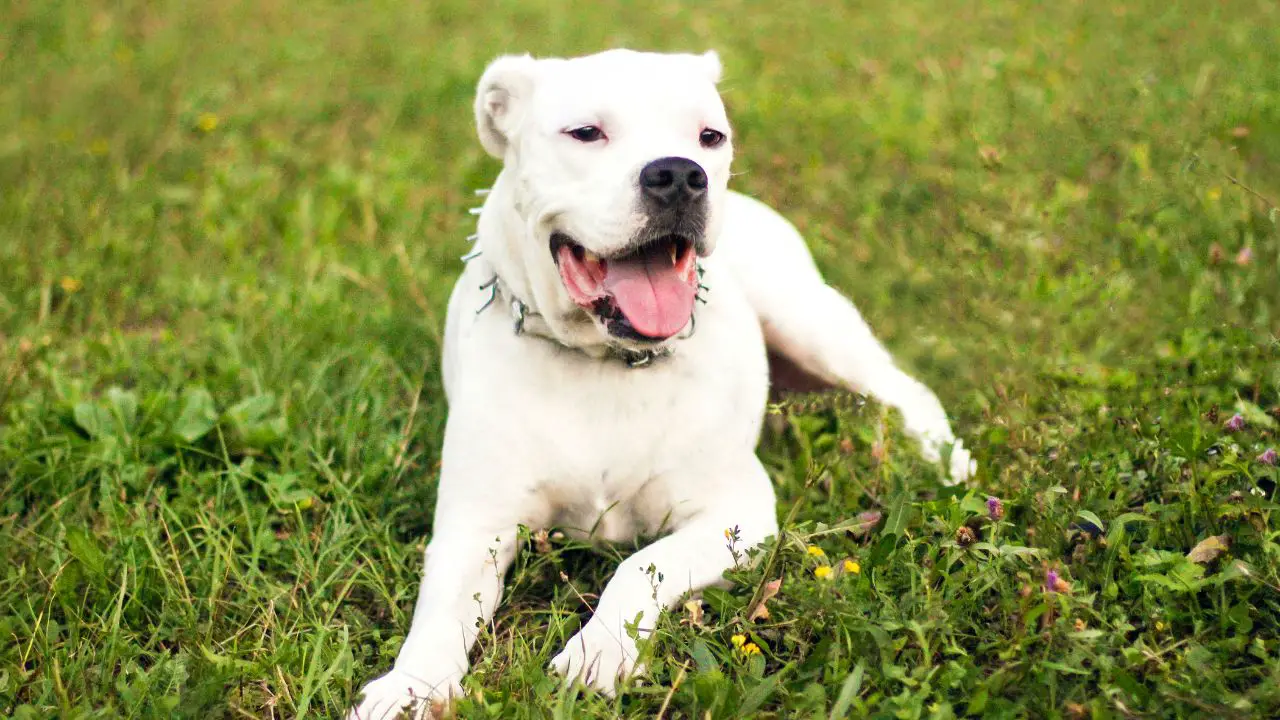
x=207 y=122
x=738 y=640
x=750 y=649
x=1214 y=194
x=852 y=567
x=99 y=147
x=1159 y=626
x=822 y=572
x=816 y=551
x=69 y=284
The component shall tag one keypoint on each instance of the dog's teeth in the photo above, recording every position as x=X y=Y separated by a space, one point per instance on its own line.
x=590 y=257
x=674 y=254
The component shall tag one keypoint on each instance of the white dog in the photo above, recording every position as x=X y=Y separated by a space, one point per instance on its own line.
x=606 y=371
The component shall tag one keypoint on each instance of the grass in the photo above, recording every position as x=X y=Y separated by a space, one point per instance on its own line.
x=228 y=230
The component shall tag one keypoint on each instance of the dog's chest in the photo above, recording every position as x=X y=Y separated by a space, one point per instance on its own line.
x=606 y=449
x=617 y=448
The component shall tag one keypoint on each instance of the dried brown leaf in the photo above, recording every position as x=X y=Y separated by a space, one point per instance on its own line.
x=760 y=611
x=693 y=609
x=1208 y=549
x=542 y=542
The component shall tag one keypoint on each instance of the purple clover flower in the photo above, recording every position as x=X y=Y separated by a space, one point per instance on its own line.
x=1236 y=422
x=1268 y=457
x=1055 y=584
x=995 y=508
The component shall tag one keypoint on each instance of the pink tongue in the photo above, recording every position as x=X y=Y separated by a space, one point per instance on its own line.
x=651 y=294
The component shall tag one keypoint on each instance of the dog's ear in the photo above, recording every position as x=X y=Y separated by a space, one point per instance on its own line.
x=711 y=63
x=503 y=88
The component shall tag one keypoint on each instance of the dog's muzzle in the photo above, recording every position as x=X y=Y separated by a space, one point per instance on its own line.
x=645 y=292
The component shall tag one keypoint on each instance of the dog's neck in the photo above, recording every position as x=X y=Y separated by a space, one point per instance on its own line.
x=506 y=247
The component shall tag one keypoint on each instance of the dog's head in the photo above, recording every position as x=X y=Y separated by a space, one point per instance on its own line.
x=616 y=166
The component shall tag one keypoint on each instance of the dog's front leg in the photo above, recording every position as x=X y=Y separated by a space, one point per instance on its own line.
x=818 y=329
x=691 y=558
x=461 y=586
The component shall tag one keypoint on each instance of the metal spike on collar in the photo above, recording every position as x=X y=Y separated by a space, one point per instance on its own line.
x=481 y=192
x=697 y=295
x=471 y=256
x=492 y=286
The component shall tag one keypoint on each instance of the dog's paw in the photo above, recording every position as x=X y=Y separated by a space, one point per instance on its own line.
x=963 y=466
x=598 y=656
x=399 y=695
x=933 y=445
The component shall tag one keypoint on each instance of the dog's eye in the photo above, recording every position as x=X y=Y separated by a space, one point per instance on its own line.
x=586 y=134
x=711 y=138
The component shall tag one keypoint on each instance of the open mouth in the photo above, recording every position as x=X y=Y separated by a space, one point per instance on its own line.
x=646 y=294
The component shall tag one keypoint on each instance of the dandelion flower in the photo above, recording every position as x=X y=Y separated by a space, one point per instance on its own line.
x=750 y=649
x=69 y=284
x=207 y=122
x=815 y=551
x=852 y=567
x=822 y=572
x=738 y=640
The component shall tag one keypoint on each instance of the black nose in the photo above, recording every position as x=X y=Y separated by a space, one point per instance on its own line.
x=673 y=180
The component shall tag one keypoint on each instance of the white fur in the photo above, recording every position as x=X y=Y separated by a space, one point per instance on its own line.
x=553 y=430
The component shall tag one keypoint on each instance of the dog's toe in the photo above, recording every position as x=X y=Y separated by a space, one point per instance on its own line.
x=933 y=445
x=399 y=695
x=598 y=658
x=963 y=466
